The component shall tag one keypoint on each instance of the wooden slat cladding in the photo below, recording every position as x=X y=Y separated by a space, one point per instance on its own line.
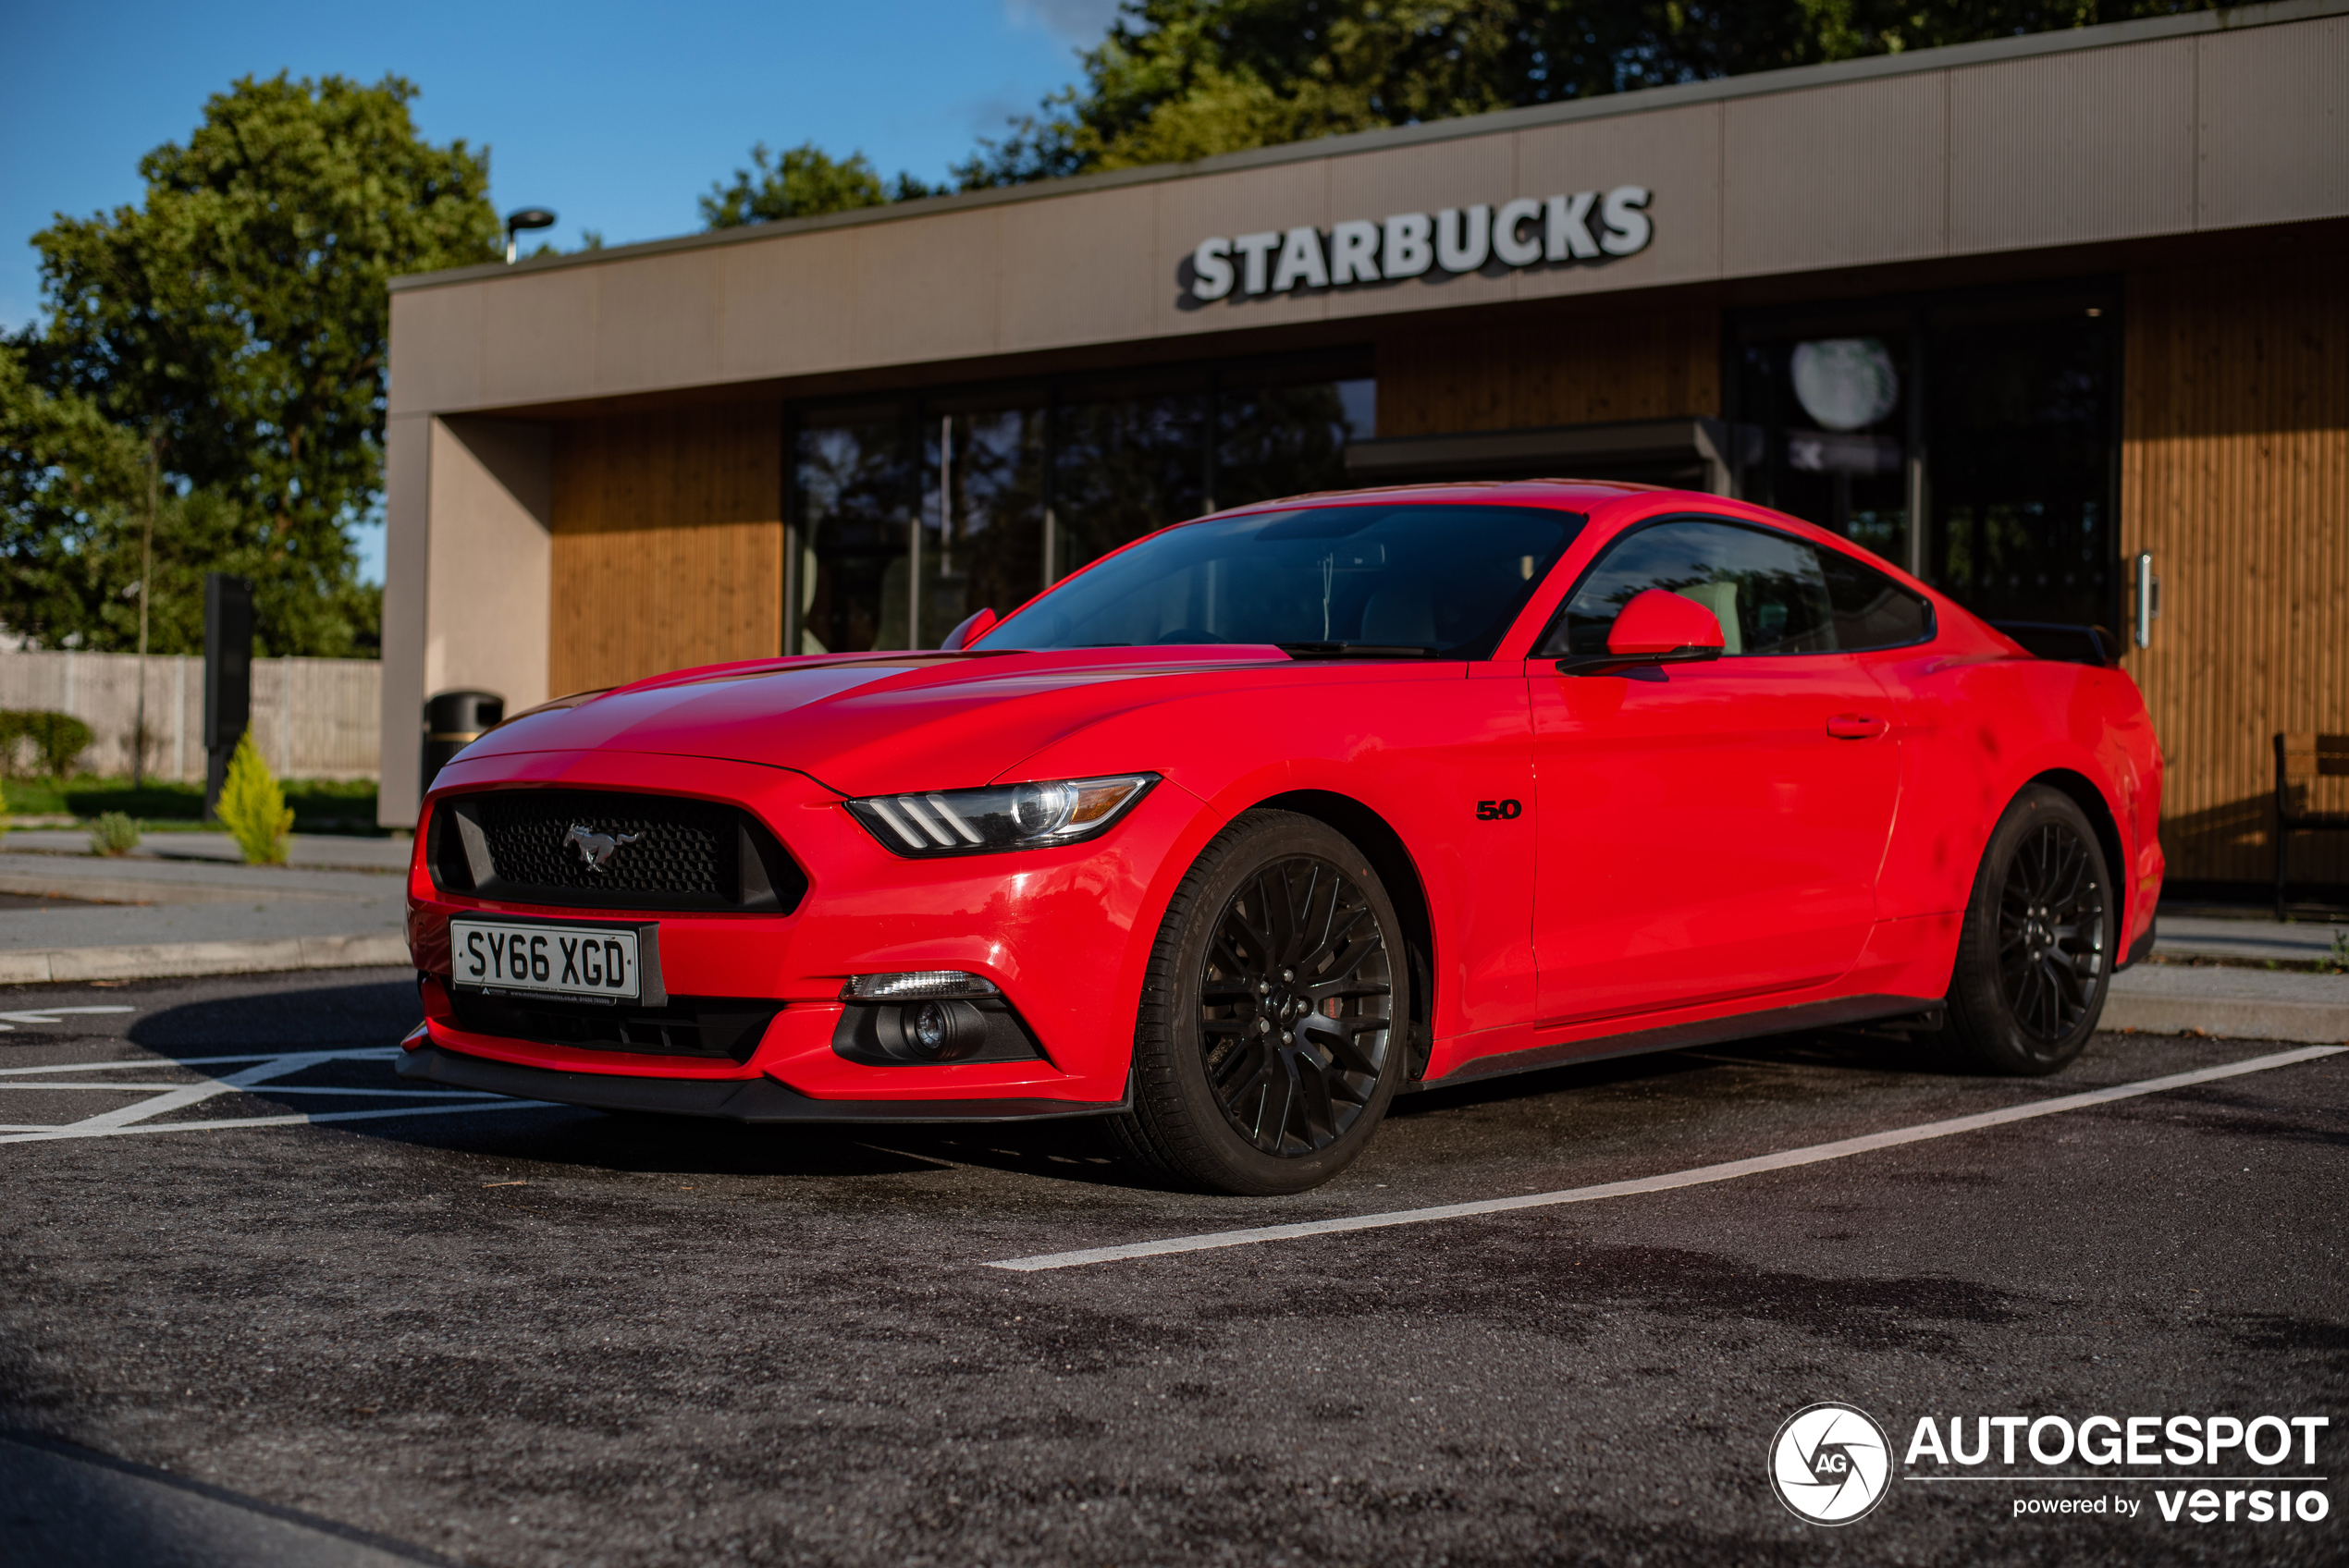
x=2235 y=474
x=1587 y=364
x=668 y=543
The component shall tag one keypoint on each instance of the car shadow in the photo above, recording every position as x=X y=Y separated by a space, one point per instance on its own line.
x=376 y=1014
x=1848 y=1050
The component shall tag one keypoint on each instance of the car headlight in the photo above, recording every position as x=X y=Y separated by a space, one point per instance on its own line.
x=1001 y=817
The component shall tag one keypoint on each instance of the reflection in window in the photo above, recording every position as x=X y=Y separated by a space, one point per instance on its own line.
x=1765 y=589
x=1274 y=439
x=857 y=488
x=1832 y=411
x=1129 y=461
x=983 y=544
x=1443 y=581
x=2020 y=435
x=1015 y=487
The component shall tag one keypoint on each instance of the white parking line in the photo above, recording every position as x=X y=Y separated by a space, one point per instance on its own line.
x=372 y=1053
x=231 y=1123
x=1697 y=1177
x=262 y=1068
x=8 y=1020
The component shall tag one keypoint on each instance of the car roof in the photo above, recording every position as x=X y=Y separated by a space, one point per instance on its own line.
x=1569 y=495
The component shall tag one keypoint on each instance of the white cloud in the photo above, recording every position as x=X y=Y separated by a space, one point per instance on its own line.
x=1081 y=22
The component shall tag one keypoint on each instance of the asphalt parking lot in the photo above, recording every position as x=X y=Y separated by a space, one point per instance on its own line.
x=314 y=1322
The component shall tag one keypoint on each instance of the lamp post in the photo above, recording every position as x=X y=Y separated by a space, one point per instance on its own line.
x=521 y=218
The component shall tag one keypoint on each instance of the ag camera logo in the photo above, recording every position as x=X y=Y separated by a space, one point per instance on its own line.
x=1830 y=1463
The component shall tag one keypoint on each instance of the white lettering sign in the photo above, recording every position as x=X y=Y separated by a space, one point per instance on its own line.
x=1584 y=227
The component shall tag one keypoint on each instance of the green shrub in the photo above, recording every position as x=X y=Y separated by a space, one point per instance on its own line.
x=115 y=833
x=4 y=810
x=55 y=740
x=253 y=809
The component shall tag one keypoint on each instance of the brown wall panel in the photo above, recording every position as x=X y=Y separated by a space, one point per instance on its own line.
x=2235 y=474
x=668 y=543
x=1532 y=368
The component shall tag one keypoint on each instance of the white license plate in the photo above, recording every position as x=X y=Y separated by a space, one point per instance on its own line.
x=562 y=961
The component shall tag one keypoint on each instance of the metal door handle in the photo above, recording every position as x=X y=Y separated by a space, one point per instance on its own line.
x=1856 y=726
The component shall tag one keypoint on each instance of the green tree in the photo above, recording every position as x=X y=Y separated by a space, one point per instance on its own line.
x=1177 y=80
x=236 y=323
x=69 y=476
x=801 y=182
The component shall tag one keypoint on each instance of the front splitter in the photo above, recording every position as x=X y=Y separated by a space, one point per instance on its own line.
x=759 y=1100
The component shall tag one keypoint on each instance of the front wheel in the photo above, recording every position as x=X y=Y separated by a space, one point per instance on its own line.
x=1269 y=1036
x=2036 y=955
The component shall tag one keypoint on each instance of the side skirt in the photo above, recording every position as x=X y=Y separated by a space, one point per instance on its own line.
x=759 y=1100
x=1680 y=1036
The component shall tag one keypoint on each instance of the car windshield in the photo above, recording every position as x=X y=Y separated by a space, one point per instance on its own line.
x=1427 y=581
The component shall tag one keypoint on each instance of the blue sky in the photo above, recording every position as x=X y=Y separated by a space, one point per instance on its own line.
x=617 y=117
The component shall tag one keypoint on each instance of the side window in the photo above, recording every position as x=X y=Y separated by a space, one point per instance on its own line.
x=1765 y=589
x=1871 y=610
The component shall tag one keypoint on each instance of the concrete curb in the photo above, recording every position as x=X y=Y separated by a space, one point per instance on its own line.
x=168 y=960
x=128 y=887
x=2232 y=1018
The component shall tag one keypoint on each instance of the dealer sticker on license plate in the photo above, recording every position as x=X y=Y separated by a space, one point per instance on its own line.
x=599 y=962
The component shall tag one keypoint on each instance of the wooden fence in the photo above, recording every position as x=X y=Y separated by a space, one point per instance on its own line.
x=312 y=718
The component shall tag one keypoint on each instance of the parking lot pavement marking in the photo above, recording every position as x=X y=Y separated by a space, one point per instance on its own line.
x=8 y=1020
x=1701 y=1175
x=163 y=1098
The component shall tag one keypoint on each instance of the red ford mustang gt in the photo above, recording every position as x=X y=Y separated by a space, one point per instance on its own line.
x=1244 y=829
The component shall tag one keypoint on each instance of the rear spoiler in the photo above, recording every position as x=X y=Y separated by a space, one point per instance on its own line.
x=2066 y=644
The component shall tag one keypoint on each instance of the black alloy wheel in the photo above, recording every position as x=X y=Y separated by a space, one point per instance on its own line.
x=2051 y=932
x=1271 y=1033
x=2034 y=955
x=1293 y=1006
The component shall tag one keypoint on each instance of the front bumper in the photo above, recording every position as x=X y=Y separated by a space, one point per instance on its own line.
x=1053 y=929
x=761 y=1100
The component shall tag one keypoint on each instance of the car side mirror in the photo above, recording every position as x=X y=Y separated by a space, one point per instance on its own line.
x=1657 y=627
x=973 y=628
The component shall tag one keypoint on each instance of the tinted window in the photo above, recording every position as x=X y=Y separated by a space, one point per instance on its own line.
x=1446 y=579
x=1871 y=610
x=1765 y=589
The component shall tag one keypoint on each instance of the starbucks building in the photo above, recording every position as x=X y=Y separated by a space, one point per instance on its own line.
x=2061 y=323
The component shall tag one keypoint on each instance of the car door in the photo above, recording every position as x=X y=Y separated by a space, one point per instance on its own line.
x=1706 y=832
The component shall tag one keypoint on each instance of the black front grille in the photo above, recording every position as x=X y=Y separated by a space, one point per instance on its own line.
x=728 y=1027
x=609 y=849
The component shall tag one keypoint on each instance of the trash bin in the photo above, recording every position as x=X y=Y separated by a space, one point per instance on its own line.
x=454 y=720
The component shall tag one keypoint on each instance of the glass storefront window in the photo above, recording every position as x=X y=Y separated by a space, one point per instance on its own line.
x=1014 y=487
x=984 y=545
x=2020 y=422
x=1833 y=406
x=855 y=472
x=1286 y=434
x=1996 y=409
x=1127 y=462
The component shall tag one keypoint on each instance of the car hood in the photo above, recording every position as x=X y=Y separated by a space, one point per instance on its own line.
x=878 y=723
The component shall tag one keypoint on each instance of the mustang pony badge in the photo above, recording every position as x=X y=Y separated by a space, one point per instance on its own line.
x=597 y=848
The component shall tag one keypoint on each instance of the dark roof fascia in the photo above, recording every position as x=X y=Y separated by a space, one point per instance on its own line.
x=1648 y=100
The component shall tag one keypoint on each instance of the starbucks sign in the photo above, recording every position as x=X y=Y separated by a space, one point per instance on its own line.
x=1587 y=226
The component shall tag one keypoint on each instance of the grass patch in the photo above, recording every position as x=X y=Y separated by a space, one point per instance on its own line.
x=320 y=806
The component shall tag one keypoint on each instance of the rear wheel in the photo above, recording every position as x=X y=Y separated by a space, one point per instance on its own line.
x=2036 y=955
x=1269 y=1036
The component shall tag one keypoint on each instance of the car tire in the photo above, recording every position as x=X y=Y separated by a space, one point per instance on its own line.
x=1274 y=1019
x=2034 y=955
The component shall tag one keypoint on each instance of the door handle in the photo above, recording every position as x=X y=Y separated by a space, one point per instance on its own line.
x=1856 y=726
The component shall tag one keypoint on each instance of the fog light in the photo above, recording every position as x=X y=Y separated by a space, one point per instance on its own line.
x=941 y=1031
x=919 y=986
